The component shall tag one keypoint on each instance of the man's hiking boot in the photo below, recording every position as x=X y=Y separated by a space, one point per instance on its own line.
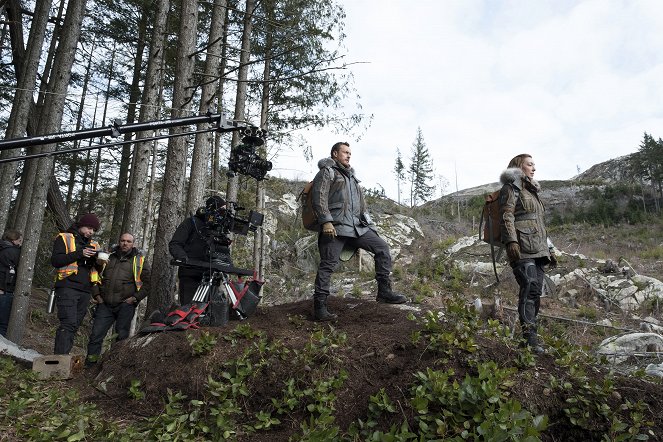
x=531 y=340
x=320 y=311
x=385 y=294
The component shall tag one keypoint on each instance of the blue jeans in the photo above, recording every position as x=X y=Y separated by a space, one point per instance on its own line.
x=6 y=301
x=104 y=317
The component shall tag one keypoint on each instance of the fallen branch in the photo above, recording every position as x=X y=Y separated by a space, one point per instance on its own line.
x=561 y=318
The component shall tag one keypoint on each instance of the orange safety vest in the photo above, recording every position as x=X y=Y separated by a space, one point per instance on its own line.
x=139 y=260
x=72 y=268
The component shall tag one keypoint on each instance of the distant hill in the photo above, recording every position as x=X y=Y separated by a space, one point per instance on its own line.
x=557 y=192
x=611 y=171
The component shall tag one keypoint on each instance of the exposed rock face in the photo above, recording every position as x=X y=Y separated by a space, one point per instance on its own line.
x=397 y=231
x=611 y=171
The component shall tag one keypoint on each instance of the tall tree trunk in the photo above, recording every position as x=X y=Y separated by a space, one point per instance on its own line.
x=90 y=206
x=259 y=237
x=202 y=147
x=26 y=65
x=216 y=158
x=134 y=95
x=50 y=122
x=170 y=207
x=148 y=221
x=148 y=112
x=242 y=75
x=58 y=206
x=73 y=165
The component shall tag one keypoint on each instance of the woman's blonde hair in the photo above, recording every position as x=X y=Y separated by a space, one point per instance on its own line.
x=519 y=160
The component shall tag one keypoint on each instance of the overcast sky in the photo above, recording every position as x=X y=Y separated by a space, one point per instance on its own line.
x=573 y=83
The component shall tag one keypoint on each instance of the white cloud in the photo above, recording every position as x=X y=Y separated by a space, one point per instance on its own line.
x=573 y=83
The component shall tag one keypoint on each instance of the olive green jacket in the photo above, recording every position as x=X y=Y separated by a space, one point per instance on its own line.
x=522 y=214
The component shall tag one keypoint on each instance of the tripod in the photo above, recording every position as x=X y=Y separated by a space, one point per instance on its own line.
x=215 y=291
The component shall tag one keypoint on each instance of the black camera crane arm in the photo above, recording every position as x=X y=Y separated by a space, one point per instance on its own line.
x=116 y=129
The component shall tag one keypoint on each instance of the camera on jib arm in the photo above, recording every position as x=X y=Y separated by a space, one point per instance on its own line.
x=243 y=158
x=222 y=220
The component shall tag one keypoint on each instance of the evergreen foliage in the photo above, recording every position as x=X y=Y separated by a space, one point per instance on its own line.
x=399 y=171
x=421 y=171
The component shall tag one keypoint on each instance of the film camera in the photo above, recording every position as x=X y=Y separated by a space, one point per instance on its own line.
x=221 y=220
x=244 y=159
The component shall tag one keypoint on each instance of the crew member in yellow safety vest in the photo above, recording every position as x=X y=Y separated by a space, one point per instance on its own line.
x=74 y=257
x=126 y=281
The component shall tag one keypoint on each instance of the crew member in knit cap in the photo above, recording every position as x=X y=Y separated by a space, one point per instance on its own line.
x=193 y=241
x=74 y=257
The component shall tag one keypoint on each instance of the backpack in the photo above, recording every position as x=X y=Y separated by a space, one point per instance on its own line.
x=309 y=220
x=490 y=220
x=489 y=225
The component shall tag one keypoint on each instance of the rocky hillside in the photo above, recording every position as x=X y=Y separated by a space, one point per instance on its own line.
x=446 y=365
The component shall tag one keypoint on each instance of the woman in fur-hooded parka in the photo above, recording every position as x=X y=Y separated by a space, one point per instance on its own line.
x=524 y=234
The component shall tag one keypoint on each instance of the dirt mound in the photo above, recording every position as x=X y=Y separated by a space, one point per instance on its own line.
x=377 y=351
x=280 y=347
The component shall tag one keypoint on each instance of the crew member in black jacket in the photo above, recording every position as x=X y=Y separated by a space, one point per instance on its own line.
x=193 y=241
x=74 y=256
x=10 y=252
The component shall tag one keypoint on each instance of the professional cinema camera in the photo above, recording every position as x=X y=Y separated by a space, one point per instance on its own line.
x=244 y=159
x=220 y=220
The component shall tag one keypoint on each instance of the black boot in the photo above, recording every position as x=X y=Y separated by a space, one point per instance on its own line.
x=320 y=311
x=531 y=340
x=385 y=294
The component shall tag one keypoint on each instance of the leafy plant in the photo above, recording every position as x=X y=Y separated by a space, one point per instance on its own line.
x=203 y=344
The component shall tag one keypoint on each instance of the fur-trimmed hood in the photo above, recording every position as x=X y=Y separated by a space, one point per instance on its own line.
x=330 y=162
x=515 y=176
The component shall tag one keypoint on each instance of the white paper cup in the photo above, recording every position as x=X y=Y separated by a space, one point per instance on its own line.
x=102 y=257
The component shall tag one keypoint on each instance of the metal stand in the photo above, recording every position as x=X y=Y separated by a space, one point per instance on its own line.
x=217 y=292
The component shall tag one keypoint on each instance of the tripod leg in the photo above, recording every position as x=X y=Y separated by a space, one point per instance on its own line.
x=202 y=292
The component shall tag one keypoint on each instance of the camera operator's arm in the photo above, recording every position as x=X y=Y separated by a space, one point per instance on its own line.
x=180 y=237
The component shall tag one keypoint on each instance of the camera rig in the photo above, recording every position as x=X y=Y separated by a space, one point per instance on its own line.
x=244 y=159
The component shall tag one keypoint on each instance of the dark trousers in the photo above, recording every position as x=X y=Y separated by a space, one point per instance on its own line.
x=6 y=301
x=72 y=307
x=529 y=275
x=104 y=317
x=330 y=251
x=188 y=286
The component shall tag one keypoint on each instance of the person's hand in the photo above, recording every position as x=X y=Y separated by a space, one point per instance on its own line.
x=89 y=252
x=131 y=300
x=328 y=229
x=513 y=251
x=98 y=299
x=553 y=261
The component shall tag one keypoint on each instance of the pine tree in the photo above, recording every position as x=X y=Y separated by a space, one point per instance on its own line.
x=399 y=171
x=421 y=171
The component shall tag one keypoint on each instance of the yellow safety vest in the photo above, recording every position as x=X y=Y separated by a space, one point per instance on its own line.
x=72 y=268
x=139 y=260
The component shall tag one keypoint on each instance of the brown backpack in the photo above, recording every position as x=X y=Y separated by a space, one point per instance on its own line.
x=489 y=225
x=309 y=220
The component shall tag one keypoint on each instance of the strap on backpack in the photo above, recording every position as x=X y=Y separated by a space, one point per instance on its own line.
x=490 y=233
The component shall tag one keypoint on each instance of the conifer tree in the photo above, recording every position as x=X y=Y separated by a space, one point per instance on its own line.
x=421 y=171
x=399 y=171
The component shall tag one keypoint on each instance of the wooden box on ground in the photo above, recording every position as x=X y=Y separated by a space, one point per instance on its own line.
x=57 y=366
